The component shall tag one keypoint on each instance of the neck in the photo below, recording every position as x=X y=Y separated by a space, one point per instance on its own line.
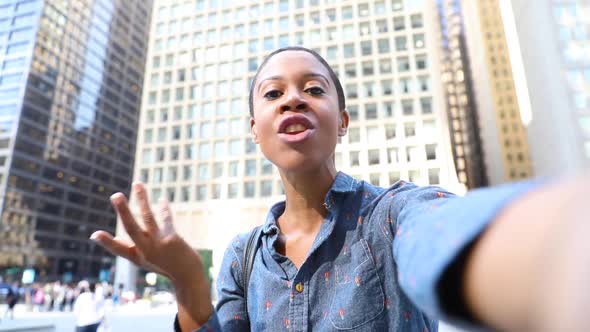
x=305 y=191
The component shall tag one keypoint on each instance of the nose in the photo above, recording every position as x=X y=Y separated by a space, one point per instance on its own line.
x=293 y=102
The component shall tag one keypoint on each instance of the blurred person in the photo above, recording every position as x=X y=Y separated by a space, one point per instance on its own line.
x=88 y=308
x=342 y=254
x=70 y=296
x=38 y=297
x=12 y=298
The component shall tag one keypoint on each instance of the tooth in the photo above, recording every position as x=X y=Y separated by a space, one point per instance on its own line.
x=294 y=127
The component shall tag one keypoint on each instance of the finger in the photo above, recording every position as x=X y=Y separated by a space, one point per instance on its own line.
x=133 y=229
x=115 y=246
x=166 y=216
x=144 y=207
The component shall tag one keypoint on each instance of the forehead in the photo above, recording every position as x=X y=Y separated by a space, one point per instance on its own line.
x=289 y=62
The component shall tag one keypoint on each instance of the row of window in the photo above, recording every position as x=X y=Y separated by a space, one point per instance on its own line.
x=405 y=86
x=271 y=42
x=271 y=8
x=284 y=24
x=226 y=70
x=251 y=167
x=267 y=188
x=221 y=109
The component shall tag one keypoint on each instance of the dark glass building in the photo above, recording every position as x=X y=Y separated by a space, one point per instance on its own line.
x=71 y=76
x=463 y=119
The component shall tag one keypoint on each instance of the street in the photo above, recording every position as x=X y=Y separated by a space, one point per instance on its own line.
x=132 y=317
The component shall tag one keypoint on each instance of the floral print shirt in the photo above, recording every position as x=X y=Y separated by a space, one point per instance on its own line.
x=374 y=265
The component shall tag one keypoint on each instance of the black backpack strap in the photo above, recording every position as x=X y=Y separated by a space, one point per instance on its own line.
x=249 y=254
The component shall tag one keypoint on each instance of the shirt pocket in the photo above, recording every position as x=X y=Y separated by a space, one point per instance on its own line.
x=358 y=294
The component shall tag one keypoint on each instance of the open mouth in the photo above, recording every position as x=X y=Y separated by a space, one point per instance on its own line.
x=295 y=128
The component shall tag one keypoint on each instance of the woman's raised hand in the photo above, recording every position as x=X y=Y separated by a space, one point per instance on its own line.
x=156 y=248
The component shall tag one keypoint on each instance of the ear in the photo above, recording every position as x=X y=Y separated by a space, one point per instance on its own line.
x=253 y=131
x=343 y=123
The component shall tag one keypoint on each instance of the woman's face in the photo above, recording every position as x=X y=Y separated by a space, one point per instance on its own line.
x=296 y=117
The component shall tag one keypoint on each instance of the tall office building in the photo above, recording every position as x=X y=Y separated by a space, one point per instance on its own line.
x=71 y=74
x=458 y=87
x=194 y=143
x=503 y=132
x=549 y=43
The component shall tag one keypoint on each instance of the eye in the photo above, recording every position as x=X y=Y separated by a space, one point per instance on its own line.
x=273 y=94
x=315 y=91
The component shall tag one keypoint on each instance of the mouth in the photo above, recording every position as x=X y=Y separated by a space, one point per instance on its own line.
x=295 y=128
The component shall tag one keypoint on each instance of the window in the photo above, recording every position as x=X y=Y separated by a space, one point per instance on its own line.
x=383 y=45
x=373 y=134
x=385 y=66
x=350 y=70
x=392 y=156
x=430 y=152
x=399 y=23
x=354 y=158
x=426 y=105
x=366 y=48
x=407 y=107
x=368 y=89
x=353 y=112
x=365 y=29
x=401 y=43
x=390 y=131
x=351 y=91
x=393 y=177
x=265 y=188
x=368 y=68
x=434 y=176
x=232 y=190
x=354 y=135
x=417 y=21
x=348 y=51
x=419 y=41
x=371 y=111
x=249 y=189
x=424 y=82
x=347 y=12
x=250 y=167
x=201 y=192
x=421 y=62
x=363 y=9
x=387 y=87
x=410 y=129
x=382 y=26
x=403 y=64
x=374 y=157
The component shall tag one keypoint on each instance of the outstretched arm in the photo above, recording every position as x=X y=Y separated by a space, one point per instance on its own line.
x=162 y=250
x=530 y=270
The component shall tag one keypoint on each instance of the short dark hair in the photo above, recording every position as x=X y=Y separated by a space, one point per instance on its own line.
x=333 y=76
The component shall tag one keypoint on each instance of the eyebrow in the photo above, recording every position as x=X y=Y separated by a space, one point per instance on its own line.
x=307 y=75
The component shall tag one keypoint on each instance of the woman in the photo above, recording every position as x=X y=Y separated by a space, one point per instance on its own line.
x=343 y=254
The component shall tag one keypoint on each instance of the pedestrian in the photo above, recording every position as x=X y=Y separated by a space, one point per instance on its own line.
x=12 y=298
x=88 y=308
x=342 y=254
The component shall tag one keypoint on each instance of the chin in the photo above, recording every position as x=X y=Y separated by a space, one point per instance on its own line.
x=298 y=161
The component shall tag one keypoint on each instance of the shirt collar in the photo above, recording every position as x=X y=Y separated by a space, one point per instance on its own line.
x=343 y=183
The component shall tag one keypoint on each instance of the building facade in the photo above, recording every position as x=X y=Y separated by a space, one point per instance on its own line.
x=463 y=115
x=71 y=76
x=194 y=144
x=550 y=52
x=502 y=120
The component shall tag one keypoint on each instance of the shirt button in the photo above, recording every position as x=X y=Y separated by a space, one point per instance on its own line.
x=299 y=287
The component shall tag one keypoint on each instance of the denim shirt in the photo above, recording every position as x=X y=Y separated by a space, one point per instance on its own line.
x=374 y=265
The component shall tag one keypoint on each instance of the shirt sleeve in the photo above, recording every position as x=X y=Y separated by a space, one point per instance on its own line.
x=433 y=229
x=229 y=314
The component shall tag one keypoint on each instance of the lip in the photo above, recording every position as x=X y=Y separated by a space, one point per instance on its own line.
x=295 y=119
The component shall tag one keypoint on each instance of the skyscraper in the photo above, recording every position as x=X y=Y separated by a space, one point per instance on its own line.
x=458 y=88
x=194 y=144
x=71 y=74
x=549 y=46
x=503 y=131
